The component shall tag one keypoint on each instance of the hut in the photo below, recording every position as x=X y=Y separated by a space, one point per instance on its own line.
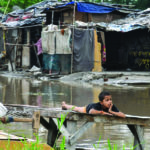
x=127 y=42
x=20 y=30
x=72 y=13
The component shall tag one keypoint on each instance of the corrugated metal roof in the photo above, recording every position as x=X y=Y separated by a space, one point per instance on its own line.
x=133 y=21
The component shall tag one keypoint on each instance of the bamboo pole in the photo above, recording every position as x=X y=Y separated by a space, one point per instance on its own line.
x=12 y=44
x=6 y=8
x=23 y=119
x=74 y=11
x=12 y=119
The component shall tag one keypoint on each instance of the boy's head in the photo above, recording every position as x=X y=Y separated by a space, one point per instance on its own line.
x=105 y=99
x=102 y=95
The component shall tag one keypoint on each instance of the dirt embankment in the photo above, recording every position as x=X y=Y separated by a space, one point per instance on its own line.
x=110 y=78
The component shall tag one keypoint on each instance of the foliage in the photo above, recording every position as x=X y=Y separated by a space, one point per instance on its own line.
x=143 y=4
x=21 y=3
x=140 y=4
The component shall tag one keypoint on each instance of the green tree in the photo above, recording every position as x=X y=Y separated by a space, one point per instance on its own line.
x=140 y=4
x=143 y=4
x=21 y=3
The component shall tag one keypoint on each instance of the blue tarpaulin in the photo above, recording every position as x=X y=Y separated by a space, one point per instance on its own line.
x=91 y=7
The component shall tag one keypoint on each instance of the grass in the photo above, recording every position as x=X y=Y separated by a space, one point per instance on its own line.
x=35 y=145
x=21 y=144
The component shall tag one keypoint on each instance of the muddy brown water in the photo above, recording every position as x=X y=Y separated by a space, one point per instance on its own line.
x=134 y=100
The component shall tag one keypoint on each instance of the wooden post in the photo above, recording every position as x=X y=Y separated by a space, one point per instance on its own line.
x=26 y=52
x=78 y=133
x=74 y=13
x=138 y=133
x=53 y=133
x=36 y=123
x=71 y=128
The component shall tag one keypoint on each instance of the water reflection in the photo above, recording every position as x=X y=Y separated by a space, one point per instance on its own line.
x=134 y=101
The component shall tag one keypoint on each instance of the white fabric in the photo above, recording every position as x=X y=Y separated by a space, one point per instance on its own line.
x=48 y=42
x=52 y=27
x=48 y=39
x=44 y=41
x=3 y=110
x=51 y=42
x=63 y=42
x=59 y=46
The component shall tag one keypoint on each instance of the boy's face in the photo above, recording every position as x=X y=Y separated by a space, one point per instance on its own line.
x=107 y=101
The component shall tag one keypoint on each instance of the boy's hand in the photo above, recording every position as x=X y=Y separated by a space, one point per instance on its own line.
x=109 y=114
x=110 y=108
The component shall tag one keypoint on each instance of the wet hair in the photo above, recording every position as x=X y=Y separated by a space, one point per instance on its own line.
x=102 y=95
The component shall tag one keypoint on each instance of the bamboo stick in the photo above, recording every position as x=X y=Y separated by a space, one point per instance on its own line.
x=23 y=119
x=12 y=119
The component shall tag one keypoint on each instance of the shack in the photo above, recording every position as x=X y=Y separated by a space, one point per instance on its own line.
x=20 y=29
x=67 y=47
x=67 y=16
x=128 y=42
x=86 y=12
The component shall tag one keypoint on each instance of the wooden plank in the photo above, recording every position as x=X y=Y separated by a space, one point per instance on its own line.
x=138 y=133
x=6 y=136
x=19 y=145
x=80 y=132
x=97 y=118
x=135 y=124
x=63 y=130
x=56 y=113
x=45 y=123
x=53 y=133
x=71 y=128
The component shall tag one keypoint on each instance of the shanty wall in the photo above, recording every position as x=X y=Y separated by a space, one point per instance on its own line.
x=68 y=17
x=129 y=50
x=86 y=17
x=106 y=17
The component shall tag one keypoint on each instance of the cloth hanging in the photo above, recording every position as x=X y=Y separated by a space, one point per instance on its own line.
x=97 y=54
x=51 y=42
x=83 y=50
x=48 y=42
x=44 y=41
x=39 y=46
x=63 y=41
x=104 y=47
x=48 y=39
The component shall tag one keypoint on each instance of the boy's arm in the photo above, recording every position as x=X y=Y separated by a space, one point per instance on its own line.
x=93 y=111
x=119 y=114
x=111 y=113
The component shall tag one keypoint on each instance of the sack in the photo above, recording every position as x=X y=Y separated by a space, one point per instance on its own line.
x=3 y=110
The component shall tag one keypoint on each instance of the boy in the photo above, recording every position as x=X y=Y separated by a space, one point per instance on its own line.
x=104 y=106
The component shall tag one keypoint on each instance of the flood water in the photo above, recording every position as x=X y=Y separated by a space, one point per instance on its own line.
x=133 y=100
